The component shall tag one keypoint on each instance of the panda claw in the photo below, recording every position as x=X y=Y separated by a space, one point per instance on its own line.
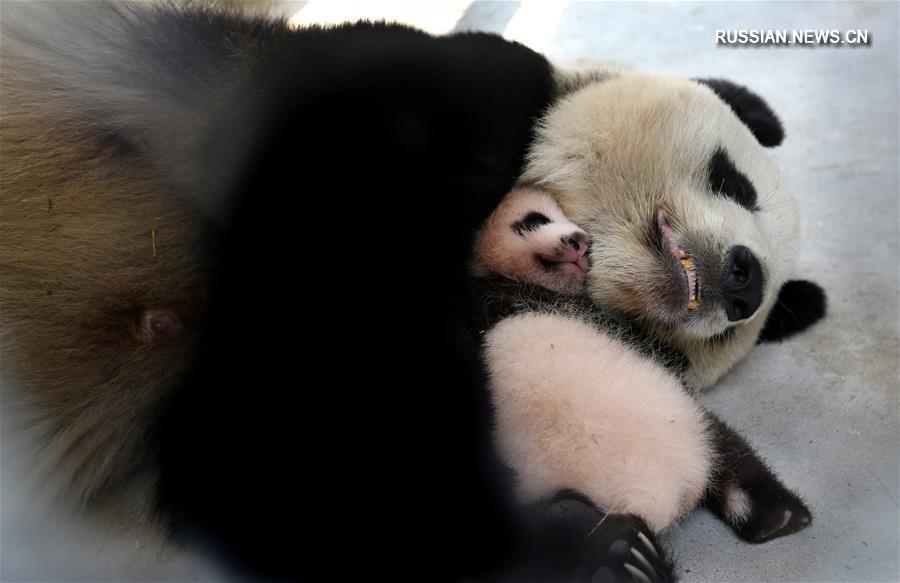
x=645 y=564
x=629 y=563
x=769 y=521
x=637 y=574
x=789 y=524
x=601 y=547
x=647 y=543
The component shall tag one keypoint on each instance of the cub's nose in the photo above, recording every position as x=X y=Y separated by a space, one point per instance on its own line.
x=577 y=241
x=742 y=284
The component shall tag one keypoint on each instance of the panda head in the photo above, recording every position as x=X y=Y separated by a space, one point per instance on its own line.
x=693 y=229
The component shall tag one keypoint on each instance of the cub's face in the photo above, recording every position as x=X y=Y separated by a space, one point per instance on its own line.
x=690 y=223
x=530 y=240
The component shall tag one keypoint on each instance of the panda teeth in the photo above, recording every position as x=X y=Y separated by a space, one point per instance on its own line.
x=690 y=269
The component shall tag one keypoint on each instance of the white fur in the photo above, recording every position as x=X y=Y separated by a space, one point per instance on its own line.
x=737 y=504
x=614 y=151
x=500 y=249
x=577 y=409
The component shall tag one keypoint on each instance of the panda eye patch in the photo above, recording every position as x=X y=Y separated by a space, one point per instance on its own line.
x=532 y=221
x=725 y=180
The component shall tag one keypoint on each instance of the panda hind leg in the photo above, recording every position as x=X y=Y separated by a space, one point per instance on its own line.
x=746 y=494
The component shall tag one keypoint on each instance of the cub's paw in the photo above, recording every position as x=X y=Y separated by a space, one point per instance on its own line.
x=762 y=512
x=529 y=239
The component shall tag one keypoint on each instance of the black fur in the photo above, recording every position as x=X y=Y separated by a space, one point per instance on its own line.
x=532 y=221
x=498 y=298
x=584 y=543
x=775 y=511
x=750 y=109
x=800 y=305
x=353 y=433
x=727 y=181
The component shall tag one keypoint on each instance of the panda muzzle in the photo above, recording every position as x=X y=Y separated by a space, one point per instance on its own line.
x=690 y=278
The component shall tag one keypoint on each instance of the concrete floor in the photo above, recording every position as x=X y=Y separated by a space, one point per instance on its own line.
x=822 y=408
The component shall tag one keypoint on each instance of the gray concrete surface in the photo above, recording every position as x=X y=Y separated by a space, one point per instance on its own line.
x=822 y=408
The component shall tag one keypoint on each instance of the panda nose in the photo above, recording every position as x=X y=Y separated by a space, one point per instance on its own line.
x=742 y=284
x=577 y=241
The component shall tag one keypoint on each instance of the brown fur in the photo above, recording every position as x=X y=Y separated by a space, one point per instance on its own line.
x=81 y=277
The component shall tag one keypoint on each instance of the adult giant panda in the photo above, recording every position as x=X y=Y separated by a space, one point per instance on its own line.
x=238 y=252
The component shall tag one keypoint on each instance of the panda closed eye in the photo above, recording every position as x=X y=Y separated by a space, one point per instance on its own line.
x=727 y=181
x=529 y=239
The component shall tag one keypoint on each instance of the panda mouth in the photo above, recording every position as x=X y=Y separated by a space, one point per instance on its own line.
x=689 y=269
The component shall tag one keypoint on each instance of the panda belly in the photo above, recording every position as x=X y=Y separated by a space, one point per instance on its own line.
x=577 y=409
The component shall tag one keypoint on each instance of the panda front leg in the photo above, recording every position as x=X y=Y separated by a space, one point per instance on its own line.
x=745 y=493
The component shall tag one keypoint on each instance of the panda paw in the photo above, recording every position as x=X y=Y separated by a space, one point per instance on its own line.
x=760 y=514
x=634 y=556
x=599 y=548
x=529 y=239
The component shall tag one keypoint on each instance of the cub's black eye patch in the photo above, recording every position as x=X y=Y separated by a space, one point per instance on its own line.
x=725 y=180
x=532 y=221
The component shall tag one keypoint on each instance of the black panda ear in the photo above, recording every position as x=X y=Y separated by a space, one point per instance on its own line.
x=750 y=109
x=800 y=304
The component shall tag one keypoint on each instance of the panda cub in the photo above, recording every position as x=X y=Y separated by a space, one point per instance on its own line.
x=584 y=402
